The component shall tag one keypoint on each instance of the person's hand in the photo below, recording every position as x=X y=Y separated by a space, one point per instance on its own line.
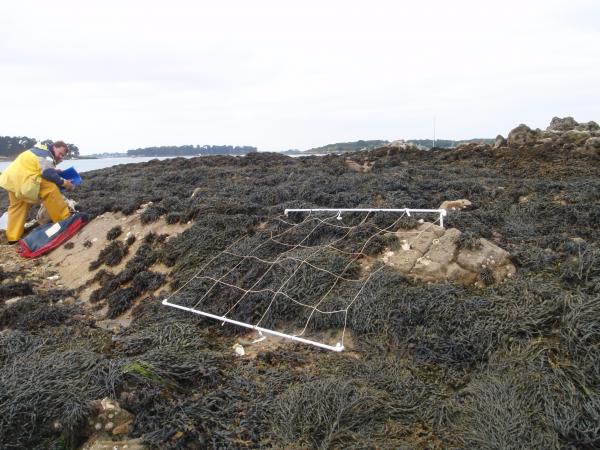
x=68 y=185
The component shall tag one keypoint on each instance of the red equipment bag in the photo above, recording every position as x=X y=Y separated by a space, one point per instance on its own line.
x=49 y=236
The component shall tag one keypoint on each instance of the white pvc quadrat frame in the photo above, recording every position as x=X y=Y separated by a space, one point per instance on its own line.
x=338 y=347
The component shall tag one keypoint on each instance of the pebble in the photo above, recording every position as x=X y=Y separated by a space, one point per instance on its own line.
x=239 y=350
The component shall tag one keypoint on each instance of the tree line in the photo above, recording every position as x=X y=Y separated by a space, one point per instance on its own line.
x=11 y=146
x=192 y=150
x=341 y=147
x=447 y=143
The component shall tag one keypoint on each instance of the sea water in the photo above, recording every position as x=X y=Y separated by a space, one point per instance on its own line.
x=85 y=165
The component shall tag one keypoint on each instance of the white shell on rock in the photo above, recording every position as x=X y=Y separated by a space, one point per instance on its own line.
x=239 y=350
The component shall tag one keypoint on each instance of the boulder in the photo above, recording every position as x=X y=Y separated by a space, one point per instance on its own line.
x=522 y=136
x=592 y=144
x=590 y=126
x=575 y=137
x=452 y=205
x=500 y=141
x=564 y=124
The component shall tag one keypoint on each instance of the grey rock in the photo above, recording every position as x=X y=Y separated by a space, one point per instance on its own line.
x=562 y=124
x=522 y=136
x=575 y=137
x=488 y=255
x=500 y=141
x=419 y=240
x=402 y=260
x=592 y=143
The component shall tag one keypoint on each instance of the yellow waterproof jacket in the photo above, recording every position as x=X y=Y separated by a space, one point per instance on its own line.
x=24 y=175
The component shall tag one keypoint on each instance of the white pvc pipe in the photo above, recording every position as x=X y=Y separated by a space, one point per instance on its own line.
x=441 y=212
x=335 y=348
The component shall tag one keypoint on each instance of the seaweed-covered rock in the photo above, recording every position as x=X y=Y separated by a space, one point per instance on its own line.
x=562 y=124
x=593 y=143
x=120 y=301
x=500 y=141
x=111 y=255
x=114 y=233
x=18 y=289
x=522 y=136
x=575 y=137
x=147 y=281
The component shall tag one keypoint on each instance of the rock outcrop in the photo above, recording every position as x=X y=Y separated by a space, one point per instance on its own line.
x=522 y=136
x=361 y=168
x=568 y=123
x=431 y=253
x=451 y=205
x=562 y=134
x=500 y=141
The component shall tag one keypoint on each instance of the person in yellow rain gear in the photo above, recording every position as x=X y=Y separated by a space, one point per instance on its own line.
x=33 y=177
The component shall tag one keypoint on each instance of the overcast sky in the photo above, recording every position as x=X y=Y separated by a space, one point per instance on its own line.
x=117 y=75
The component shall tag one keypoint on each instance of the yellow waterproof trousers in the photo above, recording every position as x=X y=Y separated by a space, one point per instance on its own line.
x=17 y=210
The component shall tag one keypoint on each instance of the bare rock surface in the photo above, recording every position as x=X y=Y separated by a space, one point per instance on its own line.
x=450 y=205
x=108 y=444
x=72 y=264
x=432 y=254
x=361 y=168
x=109 y=422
